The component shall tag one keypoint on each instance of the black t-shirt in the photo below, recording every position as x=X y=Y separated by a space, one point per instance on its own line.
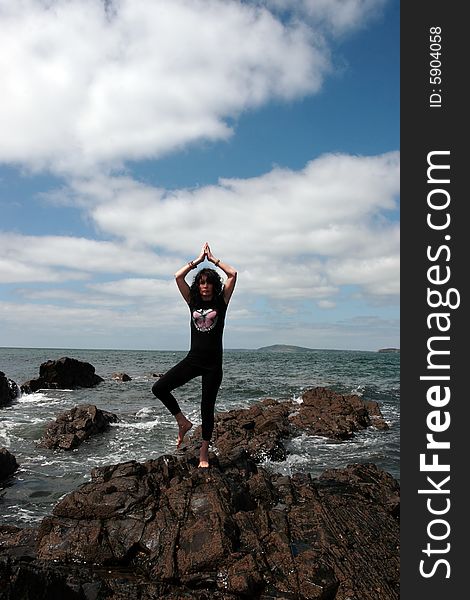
x=207 y=327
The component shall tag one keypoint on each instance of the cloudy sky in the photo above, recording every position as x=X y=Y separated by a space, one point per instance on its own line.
x=132 y=131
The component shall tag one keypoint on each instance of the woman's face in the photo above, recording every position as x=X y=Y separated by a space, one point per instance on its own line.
x=206 y=289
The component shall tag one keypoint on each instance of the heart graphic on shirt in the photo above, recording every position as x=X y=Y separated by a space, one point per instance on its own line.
x=205 y=319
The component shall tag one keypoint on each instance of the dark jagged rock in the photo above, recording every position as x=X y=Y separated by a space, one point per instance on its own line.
x=8 y=464
x=262 y=428
x=121 y=377
x=259 y=429
x=325 y=412
x=9 y=390
x=165 y=529
x=369 y=480
x=64 y=373
x=74 y=426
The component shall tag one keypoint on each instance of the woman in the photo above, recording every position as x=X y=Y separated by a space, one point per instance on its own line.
x=207 y=299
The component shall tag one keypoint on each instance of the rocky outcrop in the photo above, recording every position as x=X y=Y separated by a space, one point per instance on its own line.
x=166 y=529
x=8 y=464
x=64 y=373
x=74 y=426
x=327 y=413
x=9 y=390
x=263 y=428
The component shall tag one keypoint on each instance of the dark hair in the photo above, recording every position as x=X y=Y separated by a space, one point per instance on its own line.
x=212 y=277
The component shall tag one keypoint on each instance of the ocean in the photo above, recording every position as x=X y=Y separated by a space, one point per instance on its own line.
x=146 y=430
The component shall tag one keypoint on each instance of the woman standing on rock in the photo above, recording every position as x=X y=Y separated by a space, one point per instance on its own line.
x=207 y=299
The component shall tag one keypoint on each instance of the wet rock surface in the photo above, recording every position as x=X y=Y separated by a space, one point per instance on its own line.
x=9 y=389
x=8 y=464
x=263 y=428
x=166 y=529
x=74 y=426
x=64 y=373
x=121 y=377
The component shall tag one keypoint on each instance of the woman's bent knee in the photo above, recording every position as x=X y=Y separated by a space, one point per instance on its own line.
x=158 y=388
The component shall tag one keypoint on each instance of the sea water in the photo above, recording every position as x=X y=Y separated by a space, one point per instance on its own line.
x=146 y=430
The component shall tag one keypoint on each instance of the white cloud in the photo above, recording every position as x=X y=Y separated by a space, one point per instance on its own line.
x=297 y=235
x=34 y=258
x=141 y=289
x=84 y=88
x=338 y=16
x=14 y=269
x=378 y=275
x=88 y=85
x=71 y=297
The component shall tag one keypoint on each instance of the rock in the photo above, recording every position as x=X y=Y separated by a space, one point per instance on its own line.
x=9 y=390
x=64 y=373
x=23 y=576
x=33 y=385
x=259 y=429
x=327 y=413
x=74 y=426
x=263 y=428
x=370 y=481
x=8 y=464
x=165 y=529
x=121 y=377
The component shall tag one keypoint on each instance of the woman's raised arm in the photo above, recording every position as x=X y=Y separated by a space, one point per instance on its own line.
x=227 y=269
x=185 y=269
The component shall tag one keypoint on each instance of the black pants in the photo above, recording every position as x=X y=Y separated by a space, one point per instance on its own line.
x=180 y=374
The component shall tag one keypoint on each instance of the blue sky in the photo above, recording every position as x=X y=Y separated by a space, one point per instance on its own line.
x=134 y=131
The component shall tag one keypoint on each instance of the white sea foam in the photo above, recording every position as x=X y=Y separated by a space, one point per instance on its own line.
x=145 y=412
x=31 y=398
x=358 y=390
x=146 y=425
x=24 y=515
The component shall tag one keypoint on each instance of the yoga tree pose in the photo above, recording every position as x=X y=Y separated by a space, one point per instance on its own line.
x=207 y=299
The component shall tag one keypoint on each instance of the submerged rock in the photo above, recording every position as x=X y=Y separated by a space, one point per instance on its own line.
x=165 y=529
x=121 y=377
x=64 y=373
x=74 y=426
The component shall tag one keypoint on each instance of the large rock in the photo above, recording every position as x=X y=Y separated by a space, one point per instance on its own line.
x=8 y=464
x=64 y=373
x=327 y=413
x=9 y=390
x=262 y=428
x=165 y=529
x=74 y=426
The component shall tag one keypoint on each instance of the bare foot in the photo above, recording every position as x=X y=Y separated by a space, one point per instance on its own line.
x=204 y=455
x=183 y=428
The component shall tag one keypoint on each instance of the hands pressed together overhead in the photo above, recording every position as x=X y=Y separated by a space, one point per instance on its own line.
x=205 y=253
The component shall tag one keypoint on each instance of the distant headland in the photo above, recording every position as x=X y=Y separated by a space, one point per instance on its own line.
x=289 y=348
x=284 y=348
